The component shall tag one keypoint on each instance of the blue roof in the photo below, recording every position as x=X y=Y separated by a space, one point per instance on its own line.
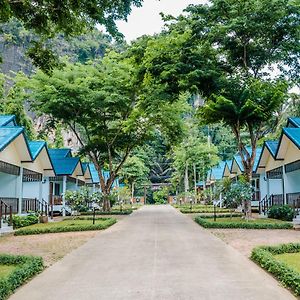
x=200 y=183
x=293 y=134
x=60 y=153
x=218 y=170
x=84 y=166
x=295 y=122
x=239 y=162
x=94 y=173
x=272 y=146
x=6 y=120
x=65 y=165
x=36 y=147
x=8 y=134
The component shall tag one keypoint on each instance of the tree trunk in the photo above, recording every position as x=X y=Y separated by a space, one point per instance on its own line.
x=132 y=192
x=195 y=182
x=106 y=202
x=186 y=182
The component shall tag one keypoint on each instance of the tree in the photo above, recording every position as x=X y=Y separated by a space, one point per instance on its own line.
x=226 y=51
x=12 y=103
x=47 y=18
x=102 y=104
x=134 y=172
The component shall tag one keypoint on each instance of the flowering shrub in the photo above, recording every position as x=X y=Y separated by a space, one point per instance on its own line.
x=238 y=193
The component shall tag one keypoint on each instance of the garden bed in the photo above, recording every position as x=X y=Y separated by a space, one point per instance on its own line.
x=67 y=225
x=238 y=222
x=282 y=261
x=15 y=270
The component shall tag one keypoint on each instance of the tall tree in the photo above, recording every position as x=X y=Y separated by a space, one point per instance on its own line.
x=104 y=107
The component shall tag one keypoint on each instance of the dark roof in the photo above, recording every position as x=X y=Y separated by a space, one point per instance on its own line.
x=6 y=120
x=8 y=134
x=294 y=122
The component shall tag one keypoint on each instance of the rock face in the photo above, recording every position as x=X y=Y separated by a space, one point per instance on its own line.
x=14 y=59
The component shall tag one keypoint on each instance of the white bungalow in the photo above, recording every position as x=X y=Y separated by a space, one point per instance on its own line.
x=279 y=166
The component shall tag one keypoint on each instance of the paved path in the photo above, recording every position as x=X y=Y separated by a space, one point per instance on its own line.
x=156 y=253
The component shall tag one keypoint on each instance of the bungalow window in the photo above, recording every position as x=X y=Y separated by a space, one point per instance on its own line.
x=56 y=189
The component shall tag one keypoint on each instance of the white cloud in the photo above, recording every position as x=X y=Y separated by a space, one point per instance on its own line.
x=147 y=19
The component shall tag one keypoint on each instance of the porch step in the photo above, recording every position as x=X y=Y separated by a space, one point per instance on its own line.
x=5 y=228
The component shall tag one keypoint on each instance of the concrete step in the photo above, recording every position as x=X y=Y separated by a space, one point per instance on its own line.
x=5 y=228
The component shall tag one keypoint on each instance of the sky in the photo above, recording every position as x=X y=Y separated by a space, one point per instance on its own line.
x=147 y=20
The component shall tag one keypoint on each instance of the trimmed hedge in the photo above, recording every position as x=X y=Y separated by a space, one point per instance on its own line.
x=23 y=221
x=204 y=222
x=112 y=212
x=205 y=210
x=211 y=216
x=27 y=267
x=57 y=229
x=264 y=256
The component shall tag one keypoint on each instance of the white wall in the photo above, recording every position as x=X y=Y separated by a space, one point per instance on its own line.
x=31 y=190
x=8 y=185
x=292 y=182
x=275 y=186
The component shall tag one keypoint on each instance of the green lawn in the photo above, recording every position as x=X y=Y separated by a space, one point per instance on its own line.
x=67 y=226
x=6 y=270
x=291 y=259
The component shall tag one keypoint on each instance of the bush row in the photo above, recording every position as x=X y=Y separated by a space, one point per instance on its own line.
x=246 y=225
x=55 y=229
x=22 y=221
x=227 y=215
x=205 y=210
x=27 y=267
x=264 y=256
x=281 y=212
x=112 y=212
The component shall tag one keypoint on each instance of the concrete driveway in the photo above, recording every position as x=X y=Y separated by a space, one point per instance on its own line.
x=156 y=253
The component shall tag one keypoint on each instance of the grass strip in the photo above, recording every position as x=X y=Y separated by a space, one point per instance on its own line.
x=25 y=268
x=265 y=257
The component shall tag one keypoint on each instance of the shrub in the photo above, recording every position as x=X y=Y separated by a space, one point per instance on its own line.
x=205 y=210
x=264 y=256
x=66 y=228
x=206 y=223
x=22 y=221
x=112 y=212
x=284 y=213
x=27 y=267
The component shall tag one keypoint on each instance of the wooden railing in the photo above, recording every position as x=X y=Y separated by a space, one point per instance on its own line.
x=267 y=202
x=13 y=202
x=33 y=204
x=5 y=212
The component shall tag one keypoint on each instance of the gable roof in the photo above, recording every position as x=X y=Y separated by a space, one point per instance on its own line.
x=65 y=165
x=218 y=170
x=294 y=122
x=272 y=147
x=36 y=147
x=293 y=134
x=94 y=173
x=6 y=120
x=60 y=153
x=8 y=134
x=237 y=158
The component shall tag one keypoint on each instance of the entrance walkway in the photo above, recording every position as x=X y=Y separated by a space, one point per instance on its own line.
x=156 y=253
